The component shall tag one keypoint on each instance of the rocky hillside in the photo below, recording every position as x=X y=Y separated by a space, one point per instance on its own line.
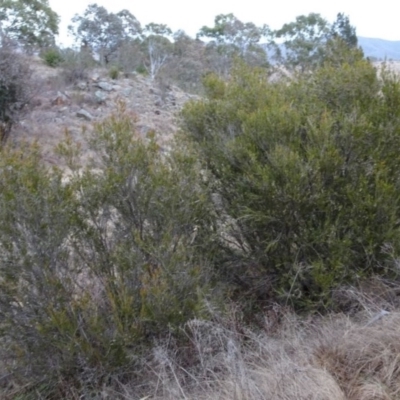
x=58 y=107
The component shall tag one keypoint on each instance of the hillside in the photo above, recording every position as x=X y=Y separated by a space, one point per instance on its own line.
x=380 y=49
x=59 y=107
x=137 y=280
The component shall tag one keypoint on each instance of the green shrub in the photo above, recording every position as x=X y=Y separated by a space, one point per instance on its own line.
x=306 y=173
x=141 y=69
x=95 y=268
x=52 y=58
x=114 y=72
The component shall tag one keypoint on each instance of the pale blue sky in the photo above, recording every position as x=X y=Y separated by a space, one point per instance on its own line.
x=377 y=19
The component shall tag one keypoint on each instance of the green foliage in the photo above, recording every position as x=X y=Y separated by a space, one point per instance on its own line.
x=341 y=28
x=30 y=22
x=304 y=40
x=306 y=173
x=141 y=69
x=96 y=266
x=214 y=86
x=113 y=72
x=228 y=29
x=104 y=32
x=231 y=38
x=309 y=41
x=52 y=57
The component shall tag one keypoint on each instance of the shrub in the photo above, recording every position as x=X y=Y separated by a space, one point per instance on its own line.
x=94 y=268
x=52 y=58
x=113 y=72
x=306 y=173
x=141 y=70
x=76 y=65
x=15 y=87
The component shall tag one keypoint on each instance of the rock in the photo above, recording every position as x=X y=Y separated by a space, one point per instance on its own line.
x=127 y=92
x=105 y=86
x=95 y=77
x=154 y=91
x=84 y=114
x=172 y=98
x=36 y=102
x=81 y=86
x=60 y=99
x=158 y=102
x=100 y=96
x=157 y=112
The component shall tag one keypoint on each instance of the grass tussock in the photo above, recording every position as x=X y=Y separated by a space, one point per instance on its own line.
x=333 y=357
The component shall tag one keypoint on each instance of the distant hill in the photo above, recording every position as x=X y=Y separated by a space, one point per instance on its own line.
x=380 y=48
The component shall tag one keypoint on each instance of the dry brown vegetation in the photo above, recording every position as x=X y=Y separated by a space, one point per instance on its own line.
x=335 y=357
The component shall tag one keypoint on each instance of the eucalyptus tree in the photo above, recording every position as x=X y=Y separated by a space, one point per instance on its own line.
x=32 y=23
x=104 y=32
x=230 y=38
x=307 y=42
x=158 y=47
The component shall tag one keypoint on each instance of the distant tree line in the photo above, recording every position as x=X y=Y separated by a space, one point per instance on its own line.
x=119 y=39
x=119 y=42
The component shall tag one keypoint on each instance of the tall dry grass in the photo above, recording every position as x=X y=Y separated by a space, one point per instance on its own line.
x=339 y=356
x=353 y=356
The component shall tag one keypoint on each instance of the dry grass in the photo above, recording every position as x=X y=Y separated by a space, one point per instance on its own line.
x=333 y=357
x=289 y=357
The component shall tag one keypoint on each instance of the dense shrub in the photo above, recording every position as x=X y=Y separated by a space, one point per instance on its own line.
x=113 y=72
x=52 y=57
x=306 y=176
x=96 y=266
x=15 y=87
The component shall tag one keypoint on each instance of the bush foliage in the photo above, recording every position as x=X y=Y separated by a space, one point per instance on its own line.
x=52 y=57
x=277 y=191
x=306 y=173
x=97 y=265
x=15 y=86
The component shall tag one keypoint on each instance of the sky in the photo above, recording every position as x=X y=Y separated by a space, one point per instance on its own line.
x=373 y=19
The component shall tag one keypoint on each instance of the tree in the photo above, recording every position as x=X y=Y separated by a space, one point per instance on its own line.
x=341 y=28
x=310 y=40
x=229 y=30
x=30 y=22
x=158 y=46
x=303 y=41
x=104 y=32
x=187 y=62
x=232 y=38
